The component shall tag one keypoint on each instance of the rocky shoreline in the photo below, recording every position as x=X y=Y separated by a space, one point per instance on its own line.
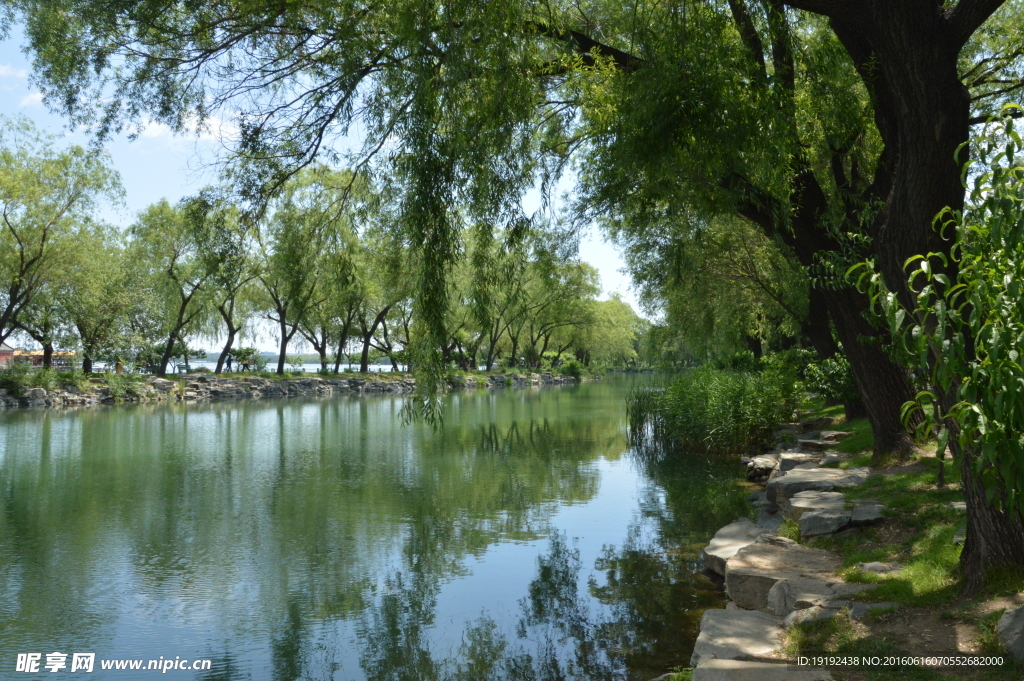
x=201 y=387
x=774 y=583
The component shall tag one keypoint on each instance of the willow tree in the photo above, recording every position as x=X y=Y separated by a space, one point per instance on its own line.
x=457 y=99
x=47 y=196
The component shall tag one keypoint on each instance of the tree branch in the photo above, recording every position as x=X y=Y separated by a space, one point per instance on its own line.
x=969 y=15
x=587 y=47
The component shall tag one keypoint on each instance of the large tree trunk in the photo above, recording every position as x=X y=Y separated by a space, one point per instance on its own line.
x=884 y=385
x=995 y=538
x=226 y=350
x=285 y=337
x=165 y=358
x=86 y=364
x=816 y=327
x=906 y=52
x=364 y=362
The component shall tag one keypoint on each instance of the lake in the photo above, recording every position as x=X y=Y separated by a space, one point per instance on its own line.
x=326 y=539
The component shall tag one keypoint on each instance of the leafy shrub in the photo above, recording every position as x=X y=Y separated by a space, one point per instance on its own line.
x=15 y=378
x=75 y=378
x=716 y=410
x=571 y=368
x=738 y=361
x=832 y=379
x=121 y=385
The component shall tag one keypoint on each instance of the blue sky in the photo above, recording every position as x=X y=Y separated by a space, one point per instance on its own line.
x=159 y=165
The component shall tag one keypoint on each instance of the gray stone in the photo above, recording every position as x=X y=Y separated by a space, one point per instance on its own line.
x=833 y=458
x=817 y=523
x=960 y=536
x=879 y=568
x=866 y=513
x=785 y=486
x=958 y=505
x=760 y=467
x=810 y=500
x=834 y=435
x=809 y=425
x=728 y=541
x=746 y=670
x=815 y=613
x=771 y=522
x=816 y=445
x=1010 y=630
x=752 y=572
x=736 y=635
x=859 y=611
x=791 y=460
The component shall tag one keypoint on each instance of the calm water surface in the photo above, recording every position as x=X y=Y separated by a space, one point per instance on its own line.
x=324 y=539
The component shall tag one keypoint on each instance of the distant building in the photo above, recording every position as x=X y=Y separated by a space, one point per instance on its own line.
x=61 y=359
x=6 y=354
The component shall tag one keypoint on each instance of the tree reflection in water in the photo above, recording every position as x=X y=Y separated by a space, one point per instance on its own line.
x=636 y=618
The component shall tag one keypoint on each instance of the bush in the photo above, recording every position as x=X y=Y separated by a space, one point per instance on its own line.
x=15 y=378
x=571 y=368
x=833 y=380
x=717 y=410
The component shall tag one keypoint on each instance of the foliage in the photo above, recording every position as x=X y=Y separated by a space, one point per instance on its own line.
x=719 y=282
x=715 y=410
x=15 y=377
x=832 y=379
x=253 y=357
x=966 y=333
x=47 y=196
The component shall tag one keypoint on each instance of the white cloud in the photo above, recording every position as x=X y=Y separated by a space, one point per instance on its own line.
x=8 y=71
x=31 y=99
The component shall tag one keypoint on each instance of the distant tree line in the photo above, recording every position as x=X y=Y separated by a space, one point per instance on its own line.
x=320 y=266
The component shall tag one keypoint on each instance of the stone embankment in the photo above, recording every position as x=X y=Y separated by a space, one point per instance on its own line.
x=773 y=582
x=199 y=387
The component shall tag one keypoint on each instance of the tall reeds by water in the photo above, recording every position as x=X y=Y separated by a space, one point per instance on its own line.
x=711 y=410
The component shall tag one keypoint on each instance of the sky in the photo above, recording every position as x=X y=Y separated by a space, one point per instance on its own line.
x=159 y=165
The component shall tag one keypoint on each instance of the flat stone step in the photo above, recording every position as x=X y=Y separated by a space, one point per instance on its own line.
x=791 y=460
x=728 y=541
x=812 y=500
x=782 y=488
x=744 y=670
x=736 y=635
x=816 y=445
x=751 y=573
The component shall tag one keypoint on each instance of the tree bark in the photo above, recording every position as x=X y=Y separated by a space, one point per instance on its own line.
x=816 y=327
x=226 y=350
x=883 y=384
x=906 y=54
x=364 y=362
x=86 y=364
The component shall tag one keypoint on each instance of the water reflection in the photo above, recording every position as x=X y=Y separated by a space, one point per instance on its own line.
x=323 y=540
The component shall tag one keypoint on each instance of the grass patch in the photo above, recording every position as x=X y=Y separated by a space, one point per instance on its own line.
x=862 y=438
x=789 y=529
x=837 y=636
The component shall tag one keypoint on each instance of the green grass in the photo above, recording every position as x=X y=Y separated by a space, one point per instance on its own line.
x=862 y=439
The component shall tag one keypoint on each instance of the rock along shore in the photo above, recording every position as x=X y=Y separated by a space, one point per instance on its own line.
x=200 y=387
x=773 y=582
